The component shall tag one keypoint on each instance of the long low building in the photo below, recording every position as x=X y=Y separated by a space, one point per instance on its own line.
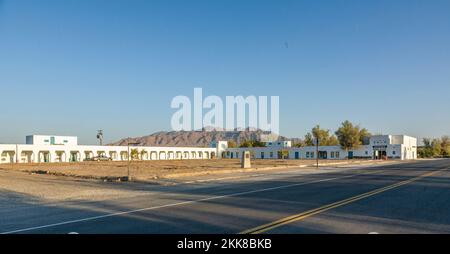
x=40 y=149
x=43 y=149
x=400 y=147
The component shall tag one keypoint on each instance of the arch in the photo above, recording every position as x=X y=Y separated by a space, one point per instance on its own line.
x=193 y=155
x=8 y=156
x=27 y=157
x=153 y=155
x=60 y=156
x=185 y=155
x=113 y=155
x=44 y=157
x=200 y=155
x=144 y=155
x=162 y=155
x=75 y=156
x=101 y=153
x=123 y=155
x=170 y=155
x=88 y=155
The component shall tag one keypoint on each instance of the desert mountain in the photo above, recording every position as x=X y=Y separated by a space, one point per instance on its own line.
x=196 y=138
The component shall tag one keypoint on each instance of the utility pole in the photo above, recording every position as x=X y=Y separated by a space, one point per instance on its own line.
x=129 y=159
x=17 y=153
x=100 y=137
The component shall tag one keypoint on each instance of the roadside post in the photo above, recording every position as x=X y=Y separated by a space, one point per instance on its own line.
x=245 y=160
x=129 y=159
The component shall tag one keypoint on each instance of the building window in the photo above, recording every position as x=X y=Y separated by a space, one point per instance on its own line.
x=393 y=152
x=332 y=155
x=367 y=152
x=312 y=155
x=307 y=155
x=338 y=155
x=271 y=154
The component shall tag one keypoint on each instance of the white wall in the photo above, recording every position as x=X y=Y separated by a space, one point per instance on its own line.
x=64 y=153
x=55 y=153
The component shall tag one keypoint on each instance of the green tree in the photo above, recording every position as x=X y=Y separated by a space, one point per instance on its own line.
x=364 y=136
x=245 y=143
x=299 y=143
x=324 y=136
x=320 y=134
x=134 y=154
x=232 y=144
x=252 y=143
x=333 y=141
x=351 y=136
x=426 y=151
x=436 y=147
x=309 y=139
x=445 y=146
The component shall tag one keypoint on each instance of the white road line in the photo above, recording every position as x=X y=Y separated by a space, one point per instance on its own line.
x=181 y=203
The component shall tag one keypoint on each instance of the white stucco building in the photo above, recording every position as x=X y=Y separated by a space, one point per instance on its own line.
x=382 y=146
x=45 y=148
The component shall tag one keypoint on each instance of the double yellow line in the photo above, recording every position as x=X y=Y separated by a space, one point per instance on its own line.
x=301 y=216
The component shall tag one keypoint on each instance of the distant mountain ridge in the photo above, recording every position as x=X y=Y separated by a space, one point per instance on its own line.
x=196 y=138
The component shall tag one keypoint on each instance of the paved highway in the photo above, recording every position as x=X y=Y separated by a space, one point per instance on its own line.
x=404 y=198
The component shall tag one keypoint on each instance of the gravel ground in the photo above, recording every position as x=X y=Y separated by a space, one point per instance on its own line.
x=17 y=180
x=149 y=171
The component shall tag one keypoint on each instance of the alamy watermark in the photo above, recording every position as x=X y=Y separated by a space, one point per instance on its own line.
x=237 y=113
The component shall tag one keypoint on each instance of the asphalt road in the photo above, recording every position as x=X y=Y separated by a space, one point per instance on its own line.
x=405 y=198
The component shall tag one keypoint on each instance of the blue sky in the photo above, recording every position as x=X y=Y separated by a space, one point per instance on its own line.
x=72 y=67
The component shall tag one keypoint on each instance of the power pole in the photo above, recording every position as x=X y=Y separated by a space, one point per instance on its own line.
x=129 y=159
x=100 y=136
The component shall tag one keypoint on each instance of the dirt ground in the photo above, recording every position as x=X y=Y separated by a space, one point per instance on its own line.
x=150 y=170
x=94 y=181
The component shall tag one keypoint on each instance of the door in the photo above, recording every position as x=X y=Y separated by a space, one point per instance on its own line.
x=297 y=155
x=350 y=154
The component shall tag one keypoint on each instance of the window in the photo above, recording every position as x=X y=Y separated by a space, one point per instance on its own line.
x=332 y=155
x=271 y=154
x=312 y=155
x=393 y=152
x=307 y=155
x=367 y=152
x=338 y=155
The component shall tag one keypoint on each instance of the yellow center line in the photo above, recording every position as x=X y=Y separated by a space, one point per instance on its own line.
x=301 y=216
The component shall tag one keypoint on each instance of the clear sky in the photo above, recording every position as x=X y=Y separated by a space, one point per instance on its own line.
x=74 y=66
